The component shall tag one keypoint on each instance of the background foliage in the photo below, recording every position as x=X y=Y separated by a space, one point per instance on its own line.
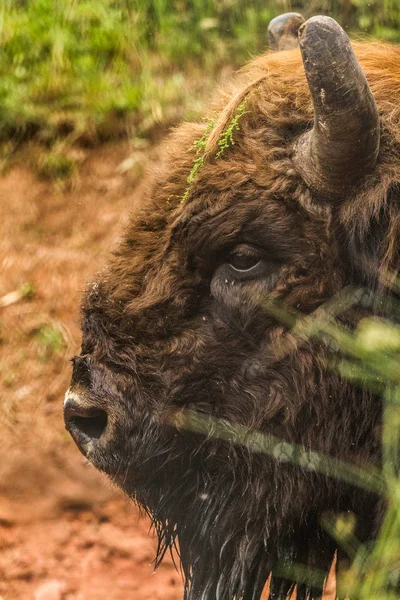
x=88 y=70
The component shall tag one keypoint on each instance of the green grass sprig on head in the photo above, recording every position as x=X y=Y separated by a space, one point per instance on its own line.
x=200 y=147
x=226 y=138
x=225 y=141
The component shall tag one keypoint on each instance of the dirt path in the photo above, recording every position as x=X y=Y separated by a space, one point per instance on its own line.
x=104 y=552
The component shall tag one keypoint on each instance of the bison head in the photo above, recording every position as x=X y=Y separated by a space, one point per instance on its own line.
x=289 y=194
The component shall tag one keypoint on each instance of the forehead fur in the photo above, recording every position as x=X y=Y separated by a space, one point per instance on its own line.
x=254 y=176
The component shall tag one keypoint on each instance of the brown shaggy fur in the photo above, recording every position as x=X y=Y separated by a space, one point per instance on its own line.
x=168 y=326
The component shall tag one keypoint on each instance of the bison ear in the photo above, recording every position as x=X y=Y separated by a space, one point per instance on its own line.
x=282 y=31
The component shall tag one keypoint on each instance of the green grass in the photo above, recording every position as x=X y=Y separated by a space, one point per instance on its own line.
x=55 y=166
x=71 y=66
x=89 y=70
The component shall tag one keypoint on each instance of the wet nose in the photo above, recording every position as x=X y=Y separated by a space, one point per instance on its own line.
x=86 y=424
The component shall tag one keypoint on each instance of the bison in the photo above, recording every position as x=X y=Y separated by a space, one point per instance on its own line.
x=288 y=193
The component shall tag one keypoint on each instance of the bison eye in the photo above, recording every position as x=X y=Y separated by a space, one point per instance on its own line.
x=244 y=258
x=243 y=264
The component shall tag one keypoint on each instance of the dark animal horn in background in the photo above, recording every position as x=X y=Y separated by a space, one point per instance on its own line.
x=343 y=145
x=282 y=31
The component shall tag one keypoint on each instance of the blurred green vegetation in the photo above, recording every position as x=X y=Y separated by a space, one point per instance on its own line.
x=49 y=340
x=89 y=70
x=370 y=357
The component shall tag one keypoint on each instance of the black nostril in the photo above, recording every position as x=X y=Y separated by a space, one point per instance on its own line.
x=93 y=426
x=84 y=424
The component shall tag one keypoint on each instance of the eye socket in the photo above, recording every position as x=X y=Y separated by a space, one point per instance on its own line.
x=243 y=264
x=243 y=259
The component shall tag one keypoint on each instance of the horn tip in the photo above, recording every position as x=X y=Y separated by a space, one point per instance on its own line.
x=283 y=30
x=320 y=24
x=344 y=143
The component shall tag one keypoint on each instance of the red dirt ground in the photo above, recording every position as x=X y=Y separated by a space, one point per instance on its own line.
x=65 y=534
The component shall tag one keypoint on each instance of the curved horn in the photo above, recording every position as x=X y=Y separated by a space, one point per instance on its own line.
x=282 y=31
x=344 y=143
